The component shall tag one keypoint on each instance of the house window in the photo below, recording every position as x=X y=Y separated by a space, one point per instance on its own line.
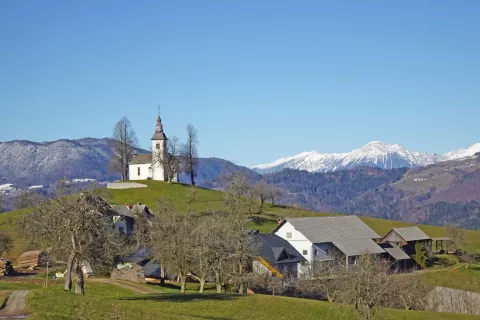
x=157 y=146
x=120 y=229
x=326 y=251
x=305 y=252
x=289 y=235
x=138 y=171
x=315 y=252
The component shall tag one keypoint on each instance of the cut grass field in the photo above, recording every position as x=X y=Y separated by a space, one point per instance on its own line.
x=208 y=200
x=104 y=301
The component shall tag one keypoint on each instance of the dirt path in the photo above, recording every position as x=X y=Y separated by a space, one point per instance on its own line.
x=15 y=307
x=135 y=287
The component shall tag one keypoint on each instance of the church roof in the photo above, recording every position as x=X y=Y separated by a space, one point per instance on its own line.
x=141 y=159
x=159 y=136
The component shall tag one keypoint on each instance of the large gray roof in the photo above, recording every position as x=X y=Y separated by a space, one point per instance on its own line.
x=356 y=247
x=330 y=229
x=411 y=233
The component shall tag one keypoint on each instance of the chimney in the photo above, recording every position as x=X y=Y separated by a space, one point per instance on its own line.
x=128 y=206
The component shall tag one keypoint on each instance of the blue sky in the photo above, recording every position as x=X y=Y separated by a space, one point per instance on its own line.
x=258 y=79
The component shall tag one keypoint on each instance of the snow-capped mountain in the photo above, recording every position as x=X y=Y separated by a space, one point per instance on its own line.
x=373 y=154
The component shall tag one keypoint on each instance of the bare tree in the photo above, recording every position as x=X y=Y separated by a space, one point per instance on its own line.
x=190 y=153
x=2 y=204
x=236 y=187
x=202 y=254
x=27 y=199
x=273 y=193
x=191 y=198
x=412 y=291
x=141 y=230
x=326 y=279
x=123 y=148
x=170 y=158
x=78 y=227
x=171 y=239
x=368 y=285
x=456 y=235
x=261 y=190
x=5 y=243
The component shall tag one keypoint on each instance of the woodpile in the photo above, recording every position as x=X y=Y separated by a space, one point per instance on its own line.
x=30 y=259
x=130 y=272
x=6 y=267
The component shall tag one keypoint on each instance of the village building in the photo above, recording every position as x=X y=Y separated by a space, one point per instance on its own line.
x=407 y=238
x=276 y=256
x=124 y=216
x=329 y=238
x=150 y=166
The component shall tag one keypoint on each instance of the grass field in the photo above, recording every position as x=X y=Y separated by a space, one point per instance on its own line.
x=103 y=301
x=458 y=278
x=208 y=200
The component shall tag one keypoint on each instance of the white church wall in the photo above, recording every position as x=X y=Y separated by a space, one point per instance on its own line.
x=145 y=172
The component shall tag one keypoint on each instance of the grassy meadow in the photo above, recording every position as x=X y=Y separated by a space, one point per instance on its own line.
x=105 y=301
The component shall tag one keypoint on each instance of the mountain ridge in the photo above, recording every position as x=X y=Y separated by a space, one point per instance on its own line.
x=373 y=154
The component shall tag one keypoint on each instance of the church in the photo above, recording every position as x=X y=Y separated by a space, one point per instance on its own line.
x=148 y=166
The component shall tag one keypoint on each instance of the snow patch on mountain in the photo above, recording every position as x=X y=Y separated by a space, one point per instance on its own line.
x=373 y=154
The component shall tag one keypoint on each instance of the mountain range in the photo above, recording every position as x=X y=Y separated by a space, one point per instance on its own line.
x=373 y=154
x=440 y=189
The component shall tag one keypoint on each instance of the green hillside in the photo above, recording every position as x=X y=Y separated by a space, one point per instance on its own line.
x=208 y=200
x=213 y=200
x=111 y=302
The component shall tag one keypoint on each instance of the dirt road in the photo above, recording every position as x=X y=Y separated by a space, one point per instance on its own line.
x=135 y=287
x=15 y=307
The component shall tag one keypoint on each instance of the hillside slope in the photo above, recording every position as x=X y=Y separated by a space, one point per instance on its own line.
x=208 y=200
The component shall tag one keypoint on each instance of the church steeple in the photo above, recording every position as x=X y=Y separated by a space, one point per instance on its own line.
x=159 y=134
x=159 y=127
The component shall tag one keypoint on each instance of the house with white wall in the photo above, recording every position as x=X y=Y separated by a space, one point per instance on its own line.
x=329 y=238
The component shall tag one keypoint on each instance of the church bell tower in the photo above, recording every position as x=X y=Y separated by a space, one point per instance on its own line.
x=159 y=151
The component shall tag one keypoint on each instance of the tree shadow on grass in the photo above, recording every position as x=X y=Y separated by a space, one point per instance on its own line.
x=183 y=297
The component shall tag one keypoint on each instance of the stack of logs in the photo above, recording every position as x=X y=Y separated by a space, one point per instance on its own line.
x=29 y=259
x=6 y=267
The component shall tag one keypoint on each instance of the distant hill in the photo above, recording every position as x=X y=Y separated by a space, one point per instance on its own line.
x=26 y=163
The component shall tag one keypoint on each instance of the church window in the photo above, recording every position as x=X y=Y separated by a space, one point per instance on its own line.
x=138 y=170
x=157 y=146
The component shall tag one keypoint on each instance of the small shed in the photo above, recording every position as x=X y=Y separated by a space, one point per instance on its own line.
x=444 y=244
x=407 y=238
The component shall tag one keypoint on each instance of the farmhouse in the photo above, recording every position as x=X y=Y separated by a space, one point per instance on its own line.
x=407 y=238
x=276 y=256
x=329 y=238
x=149 y=166
x=124 y=217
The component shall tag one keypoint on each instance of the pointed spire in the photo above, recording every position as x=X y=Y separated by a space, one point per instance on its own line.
x=159 y=135
x=159 y=127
